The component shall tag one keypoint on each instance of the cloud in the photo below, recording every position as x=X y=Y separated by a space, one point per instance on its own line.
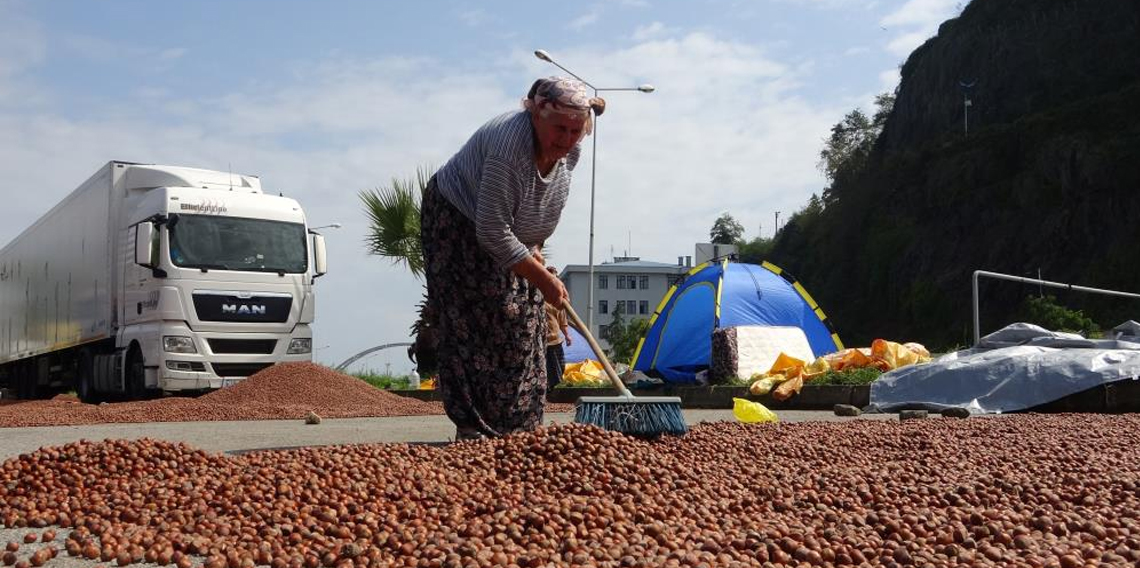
x=726 y=131
x=585 y=20
x=916 y=21
x=23 y=45
x=858 y=50
x=654 y=30
x=474 y=18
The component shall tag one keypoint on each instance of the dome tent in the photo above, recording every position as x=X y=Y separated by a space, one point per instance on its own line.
x=726 y=294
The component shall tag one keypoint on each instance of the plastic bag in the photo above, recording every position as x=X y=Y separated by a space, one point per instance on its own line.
x=761 y=387
x=752 y=412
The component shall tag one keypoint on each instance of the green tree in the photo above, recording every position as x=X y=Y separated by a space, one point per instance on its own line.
x=623 y=337
x=394 y=220
x=726 y=231
x=394 y=232
x=845 y=152
x=1047 y=313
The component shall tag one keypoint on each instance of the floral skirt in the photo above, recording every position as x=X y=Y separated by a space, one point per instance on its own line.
x=491 y=327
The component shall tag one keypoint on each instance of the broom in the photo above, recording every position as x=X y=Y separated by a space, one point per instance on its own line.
x=640 y=416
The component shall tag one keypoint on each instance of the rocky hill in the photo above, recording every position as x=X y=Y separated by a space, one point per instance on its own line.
x=1048 y=177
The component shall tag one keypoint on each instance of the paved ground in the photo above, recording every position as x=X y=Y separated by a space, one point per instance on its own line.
x=243 y=436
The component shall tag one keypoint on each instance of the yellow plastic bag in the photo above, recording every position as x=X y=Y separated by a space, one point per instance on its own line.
x=752 y=412
x=761 y=387
x=584 y=373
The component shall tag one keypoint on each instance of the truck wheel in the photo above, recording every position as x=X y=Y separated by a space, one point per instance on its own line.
x=85 y=379
x=135 y=374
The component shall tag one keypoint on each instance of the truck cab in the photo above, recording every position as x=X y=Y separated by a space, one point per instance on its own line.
x=217 y=284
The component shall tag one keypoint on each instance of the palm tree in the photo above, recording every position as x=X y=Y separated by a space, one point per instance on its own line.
x=394 y=232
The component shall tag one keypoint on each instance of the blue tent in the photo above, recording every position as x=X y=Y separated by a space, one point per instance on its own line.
x=726 y=294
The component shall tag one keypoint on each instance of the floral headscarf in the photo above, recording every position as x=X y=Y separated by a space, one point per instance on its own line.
x=562 y=95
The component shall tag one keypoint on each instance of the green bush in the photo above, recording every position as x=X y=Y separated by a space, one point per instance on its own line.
x=382 y=381
x=1047 y=313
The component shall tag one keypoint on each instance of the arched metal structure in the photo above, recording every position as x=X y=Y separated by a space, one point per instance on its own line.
x=341 y=367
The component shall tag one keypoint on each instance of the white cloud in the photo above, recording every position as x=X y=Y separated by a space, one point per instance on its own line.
x=585 y=20
x=916 y=21
x=857 y=50
x=22 y=45
x=474 y=18
x=726 y=131
x=652 y=31
x=171 y=53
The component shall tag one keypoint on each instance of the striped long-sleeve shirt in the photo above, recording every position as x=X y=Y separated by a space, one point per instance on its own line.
x=494 y=182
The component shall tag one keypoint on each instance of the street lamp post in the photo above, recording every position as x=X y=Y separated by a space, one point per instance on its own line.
x=646 y=88
x=329 y=226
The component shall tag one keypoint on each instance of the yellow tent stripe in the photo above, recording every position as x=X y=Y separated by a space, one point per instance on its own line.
x=838 y=343
x=772 y=267
x=804 y=294
x=819 y=314
x=653 y=319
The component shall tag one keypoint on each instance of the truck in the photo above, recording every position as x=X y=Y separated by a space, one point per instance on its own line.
x=151 y=279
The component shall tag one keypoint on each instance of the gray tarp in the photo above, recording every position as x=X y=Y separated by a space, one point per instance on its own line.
x=1017 y=367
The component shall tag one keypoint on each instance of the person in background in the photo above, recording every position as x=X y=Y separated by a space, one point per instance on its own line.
x=557 y=331
x=482 y=219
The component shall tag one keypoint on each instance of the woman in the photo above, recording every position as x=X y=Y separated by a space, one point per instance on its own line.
x=484 y=217
x=557 y=330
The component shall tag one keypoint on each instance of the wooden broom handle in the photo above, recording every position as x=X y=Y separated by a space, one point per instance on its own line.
x=581 y=327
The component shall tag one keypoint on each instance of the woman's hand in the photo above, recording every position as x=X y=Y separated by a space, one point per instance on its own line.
x=553 y=291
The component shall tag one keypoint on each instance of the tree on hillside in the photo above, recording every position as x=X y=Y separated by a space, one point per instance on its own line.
x=845 y=152
x=726 y=231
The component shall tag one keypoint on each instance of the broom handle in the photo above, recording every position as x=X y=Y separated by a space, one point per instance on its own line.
x=581 y=327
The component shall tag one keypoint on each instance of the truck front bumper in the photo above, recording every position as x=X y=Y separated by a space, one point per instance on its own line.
x=223 y=359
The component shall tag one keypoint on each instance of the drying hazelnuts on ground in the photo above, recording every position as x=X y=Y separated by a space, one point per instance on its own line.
x=1031 y=490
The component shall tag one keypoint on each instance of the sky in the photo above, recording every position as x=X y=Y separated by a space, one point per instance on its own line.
x=323 y=100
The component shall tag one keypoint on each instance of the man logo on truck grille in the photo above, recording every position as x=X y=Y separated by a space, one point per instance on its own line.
x=244 y=309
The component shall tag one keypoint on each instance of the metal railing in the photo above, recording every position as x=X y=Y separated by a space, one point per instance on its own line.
x=1023 y=280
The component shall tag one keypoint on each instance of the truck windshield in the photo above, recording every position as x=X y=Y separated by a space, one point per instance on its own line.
x=234 y=243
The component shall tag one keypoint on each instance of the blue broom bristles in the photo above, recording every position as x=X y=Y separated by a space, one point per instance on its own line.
x=633 y=417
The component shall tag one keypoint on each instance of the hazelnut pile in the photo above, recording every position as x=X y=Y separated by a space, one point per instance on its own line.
x=1030 y=490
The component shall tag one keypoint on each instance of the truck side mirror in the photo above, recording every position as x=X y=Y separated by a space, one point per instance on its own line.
x=144 y=244
x=320 y=257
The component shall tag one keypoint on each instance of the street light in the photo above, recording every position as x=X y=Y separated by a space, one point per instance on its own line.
x=329 y=226
x=646 y=88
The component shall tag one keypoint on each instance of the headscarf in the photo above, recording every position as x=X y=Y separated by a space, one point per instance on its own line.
x=562 y=95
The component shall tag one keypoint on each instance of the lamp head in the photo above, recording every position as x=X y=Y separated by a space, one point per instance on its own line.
x=543 y=55
x=647 y=88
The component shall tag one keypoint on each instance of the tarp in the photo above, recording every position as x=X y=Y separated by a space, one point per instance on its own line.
x=1015 y=368
x=579 y=349
x=678 y=344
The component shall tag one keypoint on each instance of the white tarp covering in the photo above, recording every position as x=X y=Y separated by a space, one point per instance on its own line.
x=1015 y=368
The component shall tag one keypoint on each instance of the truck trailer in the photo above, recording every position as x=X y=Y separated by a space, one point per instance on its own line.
x=150 y=279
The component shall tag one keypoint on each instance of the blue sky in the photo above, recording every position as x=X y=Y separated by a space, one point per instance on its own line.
x=322 y=100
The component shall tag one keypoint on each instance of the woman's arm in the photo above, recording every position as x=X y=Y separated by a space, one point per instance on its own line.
x=553 y=291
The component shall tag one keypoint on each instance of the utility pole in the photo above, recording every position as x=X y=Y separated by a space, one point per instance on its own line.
x=966 y=104
x=776 y=228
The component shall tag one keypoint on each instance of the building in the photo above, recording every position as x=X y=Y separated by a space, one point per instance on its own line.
x=628 y=285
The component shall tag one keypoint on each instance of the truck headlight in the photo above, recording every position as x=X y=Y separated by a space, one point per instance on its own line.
x=178 y=344
x=300 y=345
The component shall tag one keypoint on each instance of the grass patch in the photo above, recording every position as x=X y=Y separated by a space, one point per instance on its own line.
x=851 y=377
x=382 y=381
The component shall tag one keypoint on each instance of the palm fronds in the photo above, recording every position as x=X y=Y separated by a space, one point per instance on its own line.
x=394 y=221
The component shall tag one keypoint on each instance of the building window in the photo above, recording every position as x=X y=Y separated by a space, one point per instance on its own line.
x=631 y=307
x=619 y=307
x=644 y=282
x=603 y=307
x=643 y=307
x=603 y=281
x=621 y=282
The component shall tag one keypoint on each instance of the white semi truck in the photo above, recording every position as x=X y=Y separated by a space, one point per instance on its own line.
x=152 y=279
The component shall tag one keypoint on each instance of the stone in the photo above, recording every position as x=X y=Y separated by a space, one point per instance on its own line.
x=912 y=414
x=312 y=418
x=847 y=410
x=956 y=412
